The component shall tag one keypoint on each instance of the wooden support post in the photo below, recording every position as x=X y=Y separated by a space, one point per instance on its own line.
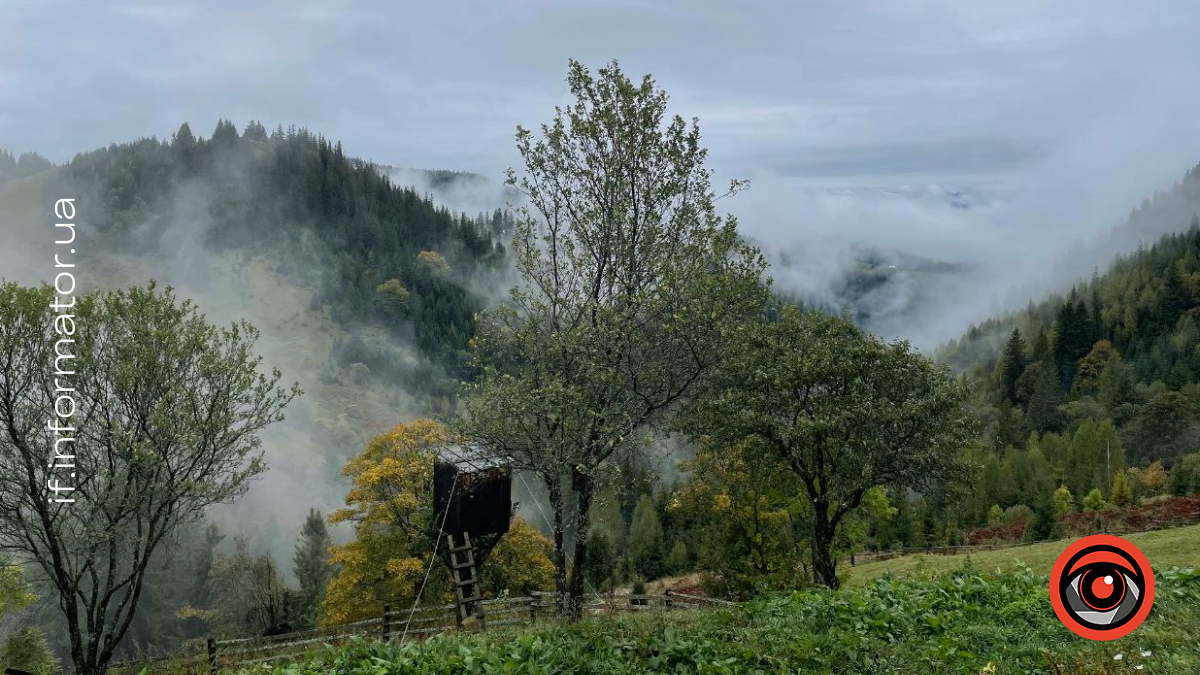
x=667 y=598
x=387 y=622
x=533 y=608
x=212 y=656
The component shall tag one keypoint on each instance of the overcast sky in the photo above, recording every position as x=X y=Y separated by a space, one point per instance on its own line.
x=1053 y=117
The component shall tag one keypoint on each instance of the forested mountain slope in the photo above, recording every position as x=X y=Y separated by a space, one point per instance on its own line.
x=374 y=252
x=1165 y=213
x=18 y=166
x=1095 y=390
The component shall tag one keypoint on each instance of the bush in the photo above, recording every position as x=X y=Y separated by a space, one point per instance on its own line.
x=27 y=650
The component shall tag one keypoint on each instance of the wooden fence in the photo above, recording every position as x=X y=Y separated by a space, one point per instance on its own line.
x=393 y=625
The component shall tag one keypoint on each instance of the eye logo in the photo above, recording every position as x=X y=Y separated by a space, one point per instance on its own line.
x=1102 y=587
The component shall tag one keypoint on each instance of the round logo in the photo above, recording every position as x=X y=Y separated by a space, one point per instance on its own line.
x=1102 y=587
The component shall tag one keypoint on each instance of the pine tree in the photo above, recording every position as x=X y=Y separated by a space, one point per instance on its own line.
x=1013 y=365
x=1043 y=412
x=1072 y=338
x=1041 y=348
x=646 y=539
x=601 y=561
x=312 y=568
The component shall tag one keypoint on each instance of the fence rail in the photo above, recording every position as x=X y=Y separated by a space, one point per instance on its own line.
x=395 y=625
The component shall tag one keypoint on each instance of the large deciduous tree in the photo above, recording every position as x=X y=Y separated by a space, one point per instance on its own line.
x=846 y=411
x=168 y=410
x=629 y=283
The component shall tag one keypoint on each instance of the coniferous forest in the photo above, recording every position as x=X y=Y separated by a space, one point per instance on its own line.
x=382 y=254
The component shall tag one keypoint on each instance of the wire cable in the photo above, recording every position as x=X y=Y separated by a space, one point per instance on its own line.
x=433 y=559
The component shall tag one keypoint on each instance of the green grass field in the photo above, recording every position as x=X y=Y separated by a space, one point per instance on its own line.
x=962 y=622
x=1178 y=546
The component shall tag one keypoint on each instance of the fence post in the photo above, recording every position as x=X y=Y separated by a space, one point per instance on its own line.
x=212 y=656
x=667 y=598
x=533 y=608
x=387 y=622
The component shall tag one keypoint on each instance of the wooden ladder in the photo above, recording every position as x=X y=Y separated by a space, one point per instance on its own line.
x=466 y=584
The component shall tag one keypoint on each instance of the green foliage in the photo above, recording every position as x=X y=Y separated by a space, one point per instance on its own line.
x=601 y=562
x=1044 y=398
x=845 y=411
x=1122 y=491
x=995 y=515
x=1012 y=365
x=312 y=569
x=646 y=540
x=678 y=560
x=630 y=285
x=28 y=650
x=752 y=521
x=169 y=412
x=1113 y=382
x=1094 y=501
x=248 y=595
x=1185 y=476
x=960 y=623
x=1064 y=501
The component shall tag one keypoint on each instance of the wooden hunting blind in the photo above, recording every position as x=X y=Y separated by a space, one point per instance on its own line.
x=473 y=492
x=472 y=497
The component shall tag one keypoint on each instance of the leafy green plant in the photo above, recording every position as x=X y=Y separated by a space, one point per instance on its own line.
x=961 y=622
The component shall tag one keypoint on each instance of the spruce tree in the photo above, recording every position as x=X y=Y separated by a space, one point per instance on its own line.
x=312 y=567
x=646 y=539
x=1012 y=365
x=1043 y=413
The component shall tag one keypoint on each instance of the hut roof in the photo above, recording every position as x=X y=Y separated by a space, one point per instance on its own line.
x=470 y=458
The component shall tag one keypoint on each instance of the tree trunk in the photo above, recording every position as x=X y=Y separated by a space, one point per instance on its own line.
x=824 y=566
x=560 y=550
x=584 y=486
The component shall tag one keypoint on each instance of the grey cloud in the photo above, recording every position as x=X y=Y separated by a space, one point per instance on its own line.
x=1060 y=116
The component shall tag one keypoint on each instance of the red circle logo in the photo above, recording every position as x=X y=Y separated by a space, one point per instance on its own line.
x=1102 y=587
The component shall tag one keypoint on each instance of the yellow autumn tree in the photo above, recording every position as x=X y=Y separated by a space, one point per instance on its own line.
x=433 y=262
x=390 y=505
x=520 y=563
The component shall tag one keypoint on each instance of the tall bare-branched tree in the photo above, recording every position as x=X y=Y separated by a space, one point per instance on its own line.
x=168 y=409
x=629 y=283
